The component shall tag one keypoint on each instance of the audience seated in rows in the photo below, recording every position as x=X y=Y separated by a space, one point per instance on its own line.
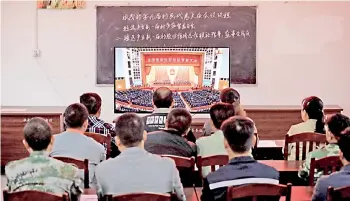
x=242 y=168
x=136 y=170
x=335 y=124
x=200 y=98
x=39 y=171
x=337 y=179
x=313 y=121
x=178 y=103
x=213 y=145
x=121 y=96
x=74 y=144
x=93 y=103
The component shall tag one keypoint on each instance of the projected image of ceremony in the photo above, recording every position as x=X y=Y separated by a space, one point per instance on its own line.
x=195 y=76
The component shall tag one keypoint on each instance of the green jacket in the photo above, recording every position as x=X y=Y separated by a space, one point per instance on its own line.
x=43 y=173
x=324 y=151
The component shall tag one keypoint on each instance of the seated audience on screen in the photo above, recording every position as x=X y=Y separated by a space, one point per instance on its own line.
x=74 y=144
x=93 y=103
x=171 y=141
x=135 y=169
x=162 y=101
x=313 y=121
x=242 y=168
x=337 y=179
x=39 y=171
x=335 y=124
x=213 y=144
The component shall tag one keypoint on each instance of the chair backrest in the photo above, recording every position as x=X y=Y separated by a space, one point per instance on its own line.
x=342 y=193
x=80 y=165
x=304 y=138
x=256 y=191
x=33 y=196
x=102 y=140
x=211 y=161
x=139 y=197
x=182 y=162
x=327 y=164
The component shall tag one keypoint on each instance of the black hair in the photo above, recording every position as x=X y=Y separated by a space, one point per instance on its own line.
x=179 y=119
x=92 y=102
x=313 y=106
x=238 y=132
x=344 y=142
x=37 y=134
x=230 y=96
x=163 y=97
x=75 y=115
x=129 y=128
x=220 y=112
x=337 y=123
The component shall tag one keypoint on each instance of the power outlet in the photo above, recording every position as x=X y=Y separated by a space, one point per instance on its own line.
x=36 y=53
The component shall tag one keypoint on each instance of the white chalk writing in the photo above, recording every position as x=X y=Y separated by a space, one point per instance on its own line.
x=192 y=35
x=175 y=16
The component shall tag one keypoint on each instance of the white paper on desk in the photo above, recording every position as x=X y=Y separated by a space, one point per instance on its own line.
x=267 y=143
x=13 y=110
x=88 y=197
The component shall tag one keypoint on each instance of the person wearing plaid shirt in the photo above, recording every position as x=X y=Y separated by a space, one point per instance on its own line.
x=93 y=102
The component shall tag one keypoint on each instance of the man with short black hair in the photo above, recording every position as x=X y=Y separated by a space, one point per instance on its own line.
x=162 y=101
x=74 y=144
x=171 y=140
x=337 y=179
x=212 y=145
x=39 y=171
x=137 y=170
x=242 y=168
x=93 y=103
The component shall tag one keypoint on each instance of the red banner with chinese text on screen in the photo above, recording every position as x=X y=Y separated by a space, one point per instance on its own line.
x=193 y=60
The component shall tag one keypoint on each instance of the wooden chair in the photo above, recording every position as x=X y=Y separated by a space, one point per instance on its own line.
x=102 y=140
x=211 y=161
x=80 y=165
x=260 y=191
x=33 y=196
x=182 y=162
x=139 y=197
x=327 y=164
x=342 y=194
x=303 y=138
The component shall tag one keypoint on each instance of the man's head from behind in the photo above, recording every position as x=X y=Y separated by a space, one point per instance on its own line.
x=230 y=96
x=179 y=119
x=92 y=102
x=163 y=97
x=76 y=117
x=37 y=135
x=344 y=142
x=238 y=132
x=220 y=112
x=130 y=131
x=335 y=124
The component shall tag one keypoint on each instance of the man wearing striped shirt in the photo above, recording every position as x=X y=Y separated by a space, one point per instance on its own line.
x=93 y=103
x=242 y=168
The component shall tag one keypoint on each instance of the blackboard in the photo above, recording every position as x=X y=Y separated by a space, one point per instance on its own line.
x=178 y=26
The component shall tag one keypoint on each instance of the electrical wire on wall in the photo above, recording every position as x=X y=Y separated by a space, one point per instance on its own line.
x=37 y=54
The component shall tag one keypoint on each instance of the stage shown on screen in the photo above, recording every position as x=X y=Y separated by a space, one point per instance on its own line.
x=195 y=75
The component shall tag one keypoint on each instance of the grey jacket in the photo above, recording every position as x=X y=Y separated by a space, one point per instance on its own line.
x=136 y=170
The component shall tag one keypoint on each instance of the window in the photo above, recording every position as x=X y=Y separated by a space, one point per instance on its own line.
x=215 y=64
x=207 y=74
x=129 y=72
x=214 y=73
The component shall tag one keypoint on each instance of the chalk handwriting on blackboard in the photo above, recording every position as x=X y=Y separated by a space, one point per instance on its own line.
x=175 y=16
x=187 y=35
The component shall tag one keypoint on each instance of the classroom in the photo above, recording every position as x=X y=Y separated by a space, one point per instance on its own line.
x=276 y=59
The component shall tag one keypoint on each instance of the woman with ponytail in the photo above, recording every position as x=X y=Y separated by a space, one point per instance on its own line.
x=313 y=121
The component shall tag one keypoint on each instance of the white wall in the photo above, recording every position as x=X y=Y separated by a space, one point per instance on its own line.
x=302 y=49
